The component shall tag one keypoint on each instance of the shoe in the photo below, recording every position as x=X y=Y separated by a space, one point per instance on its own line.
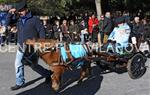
x=16 y=87
x=2 y=45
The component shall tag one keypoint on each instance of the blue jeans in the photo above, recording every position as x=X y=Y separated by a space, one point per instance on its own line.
x=19 y=67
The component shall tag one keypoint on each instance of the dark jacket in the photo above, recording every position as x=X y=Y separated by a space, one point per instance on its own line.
x=73 y=28
x=56 y=30
x=101 y=26
x=108 y=25
x=147 y=31
x=29 y=27
x=137 y=30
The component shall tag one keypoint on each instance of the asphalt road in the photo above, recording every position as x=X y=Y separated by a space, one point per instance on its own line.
x=97 y=84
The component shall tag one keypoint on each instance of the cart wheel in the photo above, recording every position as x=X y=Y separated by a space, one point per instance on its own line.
x=136 y=66
x=146 y=54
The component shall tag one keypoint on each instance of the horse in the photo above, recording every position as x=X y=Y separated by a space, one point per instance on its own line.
x=60 y=58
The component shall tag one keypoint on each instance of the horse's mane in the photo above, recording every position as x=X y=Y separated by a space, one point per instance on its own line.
x=49 y=42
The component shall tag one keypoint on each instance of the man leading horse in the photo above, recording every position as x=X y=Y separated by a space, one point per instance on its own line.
x=29 y=27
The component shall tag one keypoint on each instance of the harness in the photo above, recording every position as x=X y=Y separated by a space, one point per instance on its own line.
x=67 y=54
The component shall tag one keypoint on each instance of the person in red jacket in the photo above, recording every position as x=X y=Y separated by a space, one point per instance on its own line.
x=92 y=24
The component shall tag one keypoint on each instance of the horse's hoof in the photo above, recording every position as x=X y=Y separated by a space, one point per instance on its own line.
x=55 y=87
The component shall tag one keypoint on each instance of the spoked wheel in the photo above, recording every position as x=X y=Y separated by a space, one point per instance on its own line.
x=136 y=66
x=146 y=54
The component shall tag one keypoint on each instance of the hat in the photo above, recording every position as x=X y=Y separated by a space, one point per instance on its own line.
x=119 y=20
x=21 y=5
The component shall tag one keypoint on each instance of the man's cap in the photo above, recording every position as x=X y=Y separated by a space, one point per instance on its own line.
x=22 y=4
x=120 y=20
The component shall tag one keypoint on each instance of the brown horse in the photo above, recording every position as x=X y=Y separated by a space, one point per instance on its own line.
x=52 y=57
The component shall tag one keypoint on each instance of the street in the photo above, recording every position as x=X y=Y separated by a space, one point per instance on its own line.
x=97 y=84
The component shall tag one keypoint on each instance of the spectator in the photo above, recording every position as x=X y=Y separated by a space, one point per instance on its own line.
x=57 y=30
x=74 y=30
x=120 y=34
x=140 y=14
x=12 y=34
x=64 y=29
x=82 y=25
x=93 y=27
x=86 y=18
x=101 y=28
x=48 y=29
x=2 y=34
x=126 y=16
x=108 y=26
x=137 y=29
x=146 y=30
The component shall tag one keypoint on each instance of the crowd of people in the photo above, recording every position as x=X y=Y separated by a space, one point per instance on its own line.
x=82 y=27
x=69 y=28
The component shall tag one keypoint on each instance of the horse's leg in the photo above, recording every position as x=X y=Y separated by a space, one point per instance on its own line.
x=56 y=77
x=82 y=75
x=88 y=69
x=56 y=81
x=85 y=71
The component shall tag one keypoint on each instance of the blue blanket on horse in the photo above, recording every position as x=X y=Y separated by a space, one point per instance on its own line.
x=77 y=51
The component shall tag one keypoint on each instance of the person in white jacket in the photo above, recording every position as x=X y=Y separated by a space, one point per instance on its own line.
x=121 y=33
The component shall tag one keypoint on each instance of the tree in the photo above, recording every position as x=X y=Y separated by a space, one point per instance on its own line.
x=50 y=7
x=98 y=8
x=2 y=1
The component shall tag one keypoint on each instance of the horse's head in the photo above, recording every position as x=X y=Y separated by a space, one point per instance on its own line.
x=30 y=42
x=41 y=44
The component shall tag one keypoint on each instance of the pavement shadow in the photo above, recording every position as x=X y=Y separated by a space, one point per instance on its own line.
x=41 y=89
x=32 y=81
x=106 y=70
x=88 y=87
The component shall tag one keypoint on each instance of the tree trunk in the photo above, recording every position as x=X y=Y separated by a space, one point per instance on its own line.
x=98 y=8
x=99 y=13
